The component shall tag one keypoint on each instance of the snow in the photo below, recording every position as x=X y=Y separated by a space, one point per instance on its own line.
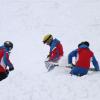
x=25 y=22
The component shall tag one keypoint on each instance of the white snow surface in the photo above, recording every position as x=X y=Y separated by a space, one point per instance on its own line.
x=25 y=22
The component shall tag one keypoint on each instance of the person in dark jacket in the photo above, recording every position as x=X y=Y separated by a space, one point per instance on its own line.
x=5 y=63
x=84 y=56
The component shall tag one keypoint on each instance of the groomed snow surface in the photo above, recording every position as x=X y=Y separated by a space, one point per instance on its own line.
x=25 y=22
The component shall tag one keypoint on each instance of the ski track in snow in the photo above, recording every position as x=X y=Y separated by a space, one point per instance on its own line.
x=25 y=22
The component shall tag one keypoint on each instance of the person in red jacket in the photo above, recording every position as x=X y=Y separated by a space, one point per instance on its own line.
x=84 y=57
x=55 y=53
x=5 y=63
x=56 y=48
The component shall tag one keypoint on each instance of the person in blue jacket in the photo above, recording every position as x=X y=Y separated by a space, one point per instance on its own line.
x=56 y=48
x=84 y=56
x=5 y=63
x=55 y=52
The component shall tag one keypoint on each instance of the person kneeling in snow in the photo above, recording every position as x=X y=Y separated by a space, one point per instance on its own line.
x=55 y=53
x=56 y=49
x=84 y=56
x=4 y=60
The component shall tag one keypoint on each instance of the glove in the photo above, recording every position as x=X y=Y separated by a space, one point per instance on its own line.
x=48 y=55
x=7 y=71
x=11 y=69
x=71 y=65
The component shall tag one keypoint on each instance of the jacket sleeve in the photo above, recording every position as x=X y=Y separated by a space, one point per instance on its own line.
x=95 y=63
x=54 y=55
x=71 y=55
x=7 y=61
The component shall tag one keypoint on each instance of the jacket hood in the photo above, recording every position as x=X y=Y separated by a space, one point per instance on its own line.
x=83 y=46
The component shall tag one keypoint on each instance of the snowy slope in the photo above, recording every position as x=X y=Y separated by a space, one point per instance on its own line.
x=25 y=22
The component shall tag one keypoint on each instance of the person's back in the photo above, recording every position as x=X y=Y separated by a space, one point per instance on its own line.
x=84 y=57
x=60 y=49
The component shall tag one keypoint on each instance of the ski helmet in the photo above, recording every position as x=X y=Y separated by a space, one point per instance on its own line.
x=85 y=43
x=8 y=45
x=47 y=38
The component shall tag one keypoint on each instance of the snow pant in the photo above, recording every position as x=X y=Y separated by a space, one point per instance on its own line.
x=78 y=71
x=4 y=75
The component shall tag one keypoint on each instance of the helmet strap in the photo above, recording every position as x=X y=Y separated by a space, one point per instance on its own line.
x=47 y=39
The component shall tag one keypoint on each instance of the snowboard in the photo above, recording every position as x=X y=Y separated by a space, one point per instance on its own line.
x=51 y=65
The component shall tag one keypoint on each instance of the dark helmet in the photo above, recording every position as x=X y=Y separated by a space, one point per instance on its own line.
x=8 y=45
x=85 y=43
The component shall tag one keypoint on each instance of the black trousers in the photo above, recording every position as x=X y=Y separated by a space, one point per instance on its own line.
x=4 y=75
